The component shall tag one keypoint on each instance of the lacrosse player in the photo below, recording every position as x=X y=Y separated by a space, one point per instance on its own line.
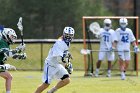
x=8 y=37
x=107 y=46
x=57 y=64
x=125 y=37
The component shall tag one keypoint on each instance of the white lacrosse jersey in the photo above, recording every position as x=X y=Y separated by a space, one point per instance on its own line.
x=107 y=38
x=124 y=39
x=57 y=50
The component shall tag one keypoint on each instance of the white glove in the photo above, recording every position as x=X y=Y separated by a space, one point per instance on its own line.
x=112 y=49
x=69 y=68
x=23 y=56
x=21 y=47
x=9 y=67
x=136 y=49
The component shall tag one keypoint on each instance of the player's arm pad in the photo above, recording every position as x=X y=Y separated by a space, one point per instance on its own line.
x=61 y=59
x=2 y=68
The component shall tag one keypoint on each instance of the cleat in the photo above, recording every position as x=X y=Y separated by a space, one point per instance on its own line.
x=49 y=92
x=108 y=75
x=122 y=76
x=96 y=75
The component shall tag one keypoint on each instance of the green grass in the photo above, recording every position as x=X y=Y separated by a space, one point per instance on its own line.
x=27 y=82
x=33 y=60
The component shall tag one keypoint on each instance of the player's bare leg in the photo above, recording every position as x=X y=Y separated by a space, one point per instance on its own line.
x=126 y=65
x=98 y=64
x=109 y=69
x=8 y=77
x=59 y=85
x=122 y=68
x=41 y=88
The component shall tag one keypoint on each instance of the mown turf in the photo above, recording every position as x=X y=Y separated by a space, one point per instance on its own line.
x=27 y=82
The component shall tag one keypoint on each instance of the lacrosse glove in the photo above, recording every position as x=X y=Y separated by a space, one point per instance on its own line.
x=66 y=57
x=136 y=49
x=20 y=48
x=69 y=68
x=112 y=49
x=20 y=56
x=2 y=68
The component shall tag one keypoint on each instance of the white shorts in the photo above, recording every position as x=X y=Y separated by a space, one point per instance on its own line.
x=124 y=55
x=51 y=72
x=109 y=55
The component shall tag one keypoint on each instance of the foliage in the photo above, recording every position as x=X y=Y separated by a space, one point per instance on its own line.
x=47 y=18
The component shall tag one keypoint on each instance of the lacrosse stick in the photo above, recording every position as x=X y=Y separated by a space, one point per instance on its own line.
x=87 y=51
x=20 y=27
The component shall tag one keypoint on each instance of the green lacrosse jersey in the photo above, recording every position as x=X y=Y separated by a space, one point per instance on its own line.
x=3 y=46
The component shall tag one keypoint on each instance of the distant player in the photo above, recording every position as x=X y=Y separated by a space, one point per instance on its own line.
x=125 y=37
x=8 y=37
x=107 y=45
x=57 y=64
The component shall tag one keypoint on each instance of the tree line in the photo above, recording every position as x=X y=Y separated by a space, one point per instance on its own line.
x=44 y=19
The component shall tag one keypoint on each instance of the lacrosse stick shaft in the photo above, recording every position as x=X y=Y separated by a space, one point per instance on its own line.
x=22 y=38
x=87 y=51
x=108 y=51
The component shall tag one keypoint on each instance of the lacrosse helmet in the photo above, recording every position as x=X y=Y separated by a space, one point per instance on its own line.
x=9 y=35
x=107 y=24
x=68 y=34
x=123 y=23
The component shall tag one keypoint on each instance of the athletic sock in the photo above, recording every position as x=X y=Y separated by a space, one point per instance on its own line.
x=8 y=91
x=97 y=70
x=109 y=71
x=52 y=90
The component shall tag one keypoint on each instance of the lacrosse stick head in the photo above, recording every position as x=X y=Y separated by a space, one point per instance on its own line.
x=19 y=24
x=94 y=28
x=85 y=51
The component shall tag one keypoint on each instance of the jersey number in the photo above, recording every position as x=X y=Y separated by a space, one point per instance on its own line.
x=106 y=38
x=125 y=39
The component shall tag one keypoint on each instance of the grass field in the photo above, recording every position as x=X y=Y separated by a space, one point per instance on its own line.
x=27 y=82
x=33 y=60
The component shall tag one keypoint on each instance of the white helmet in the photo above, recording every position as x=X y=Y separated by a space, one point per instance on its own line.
x=107 y=24
x=68 y=34
x=9 y=35
x=123 y=22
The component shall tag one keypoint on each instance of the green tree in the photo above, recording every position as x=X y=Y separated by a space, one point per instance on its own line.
x=47 y=18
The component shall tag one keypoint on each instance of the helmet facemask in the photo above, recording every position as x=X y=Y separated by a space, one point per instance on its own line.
x=68 y=34
x=12 y=39
x=123 y=23
x=68 y=37
x=107 y=24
